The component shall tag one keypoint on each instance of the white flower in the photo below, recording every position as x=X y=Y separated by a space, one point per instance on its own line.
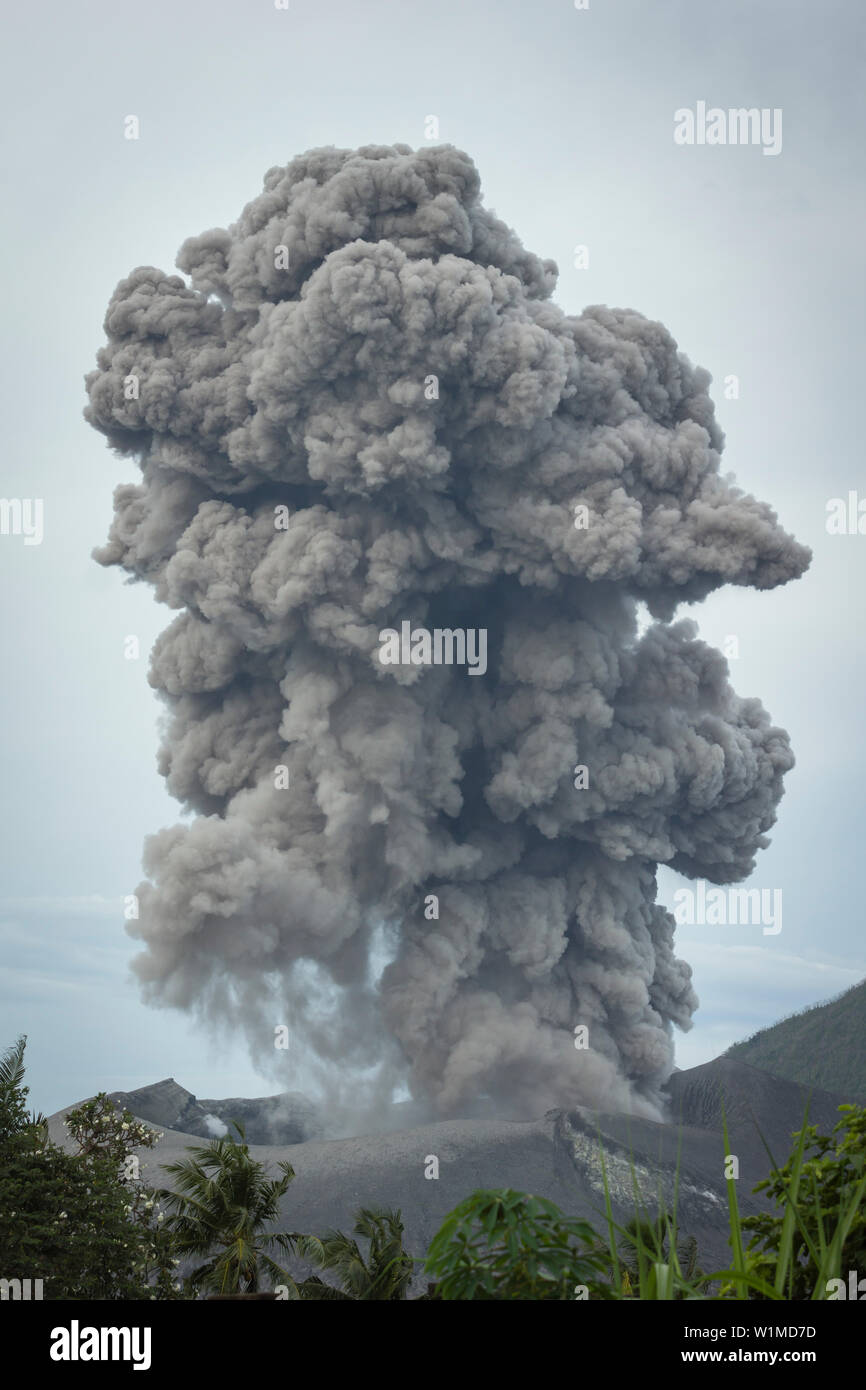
x=124 y=1126
x=63 y=1216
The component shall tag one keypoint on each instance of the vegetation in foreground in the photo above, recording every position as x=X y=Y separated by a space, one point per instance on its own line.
x=86 y=1225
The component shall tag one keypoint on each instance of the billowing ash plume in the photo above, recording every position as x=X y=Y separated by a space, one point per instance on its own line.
x=300 y=371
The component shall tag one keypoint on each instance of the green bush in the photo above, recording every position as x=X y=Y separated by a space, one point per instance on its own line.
x=80 y=1222
x=508 y=1245
x=820 y=1225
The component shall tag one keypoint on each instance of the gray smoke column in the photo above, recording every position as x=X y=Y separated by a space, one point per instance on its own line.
x=364 y=410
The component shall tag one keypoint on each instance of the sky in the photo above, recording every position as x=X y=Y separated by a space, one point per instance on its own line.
x=751 y=259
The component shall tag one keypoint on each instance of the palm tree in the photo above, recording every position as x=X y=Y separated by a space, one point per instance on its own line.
x=652 y=1240
x=220 y=1208
x=14 y=1116
x=384 y=1272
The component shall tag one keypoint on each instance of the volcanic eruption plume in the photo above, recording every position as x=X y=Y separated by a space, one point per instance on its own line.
x=364 y=412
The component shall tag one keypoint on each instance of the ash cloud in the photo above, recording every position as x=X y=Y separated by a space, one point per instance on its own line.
x=296 y=378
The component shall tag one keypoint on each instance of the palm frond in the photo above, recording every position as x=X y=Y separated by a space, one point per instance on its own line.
x=12 y=1065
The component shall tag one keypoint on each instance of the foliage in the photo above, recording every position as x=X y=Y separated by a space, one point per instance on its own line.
x=218 y=1213
x=384 y=1273
x=107 y=1138
x=510 y=1245
x=650 y=1258
x=14 y=1115
x=77 y=1221
x=819 y=1229
x=507 y=1245
x=649 y=1243
x=85 y=1224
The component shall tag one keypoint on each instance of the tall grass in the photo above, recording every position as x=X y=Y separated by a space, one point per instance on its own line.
x=646 y=1256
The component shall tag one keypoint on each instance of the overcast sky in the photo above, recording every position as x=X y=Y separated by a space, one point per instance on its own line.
x=753 y=260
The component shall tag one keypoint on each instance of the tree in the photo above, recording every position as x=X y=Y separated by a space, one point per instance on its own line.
x=15 y=1119
x=107 y=1139
x=218 y=1212
x=70 y=1219
x=384 y=1273
x=643 y=1242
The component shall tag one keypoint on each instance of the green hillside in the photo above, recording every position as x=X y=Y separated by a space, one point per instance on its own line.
x=822 y=1046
